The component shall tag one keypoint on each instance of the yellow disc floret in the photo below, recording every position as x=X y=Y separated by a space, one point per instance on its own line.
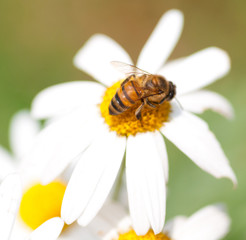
x=40 y=203
x=126 y=123
x=131 y=235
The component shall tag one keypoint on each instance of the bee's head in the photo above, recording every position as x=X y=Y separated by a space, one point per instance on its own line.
x=172 y=91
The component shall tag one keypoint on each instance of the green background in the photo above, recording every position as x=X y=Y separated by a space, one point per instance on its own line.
x=38 y=40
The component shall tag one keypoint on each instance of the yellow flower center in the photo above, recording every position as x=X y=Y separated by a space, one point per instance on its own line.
x=40 y=203
x=126 y=123
x=131 y=235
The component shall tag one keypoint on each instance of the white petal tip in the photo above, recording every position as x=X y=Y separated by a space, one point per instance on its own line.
x=231 y=176
x=234 y=181
x=77 y=57
x=83 y=222
x=222 y=57
x=112 y=234
x=157 y=231
x=176 y=13
x=35 y=107
x=68 y=221
x=141 y=232
x=65 y=217
x=230 y=114
x=50 y=229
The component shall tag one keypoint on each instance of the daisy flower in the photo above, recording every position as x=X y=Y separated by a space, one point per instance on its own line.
x=23 y=130
x=208 y=223
x=112 y=222
x=83 y=130
x=39 y=203
x=38 y=216
x=10 y=197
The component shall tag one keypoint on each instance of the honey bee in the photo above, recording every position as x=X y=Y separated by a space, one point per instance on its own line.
x=140 y=87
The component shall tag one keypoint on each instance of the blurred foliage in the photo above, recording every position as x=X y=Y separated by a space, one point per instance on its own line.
x=39 y=39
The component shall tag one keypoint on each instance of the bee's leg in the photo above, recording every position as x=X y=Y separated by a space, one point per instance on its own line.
x=149 y=103
x=138 y=111
x=127 y=80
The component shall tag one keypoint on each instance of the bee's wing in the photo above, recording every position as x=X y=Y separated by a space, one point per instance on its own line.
x=128 y=69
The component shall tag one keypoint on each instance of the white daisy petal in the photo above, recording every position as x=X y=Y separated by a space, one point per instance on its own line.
x=93 y=177
x=112 y=234
x=125 y=224
x=10 y=195
x=193 y=137
x=23 y=130
x=199 y=101
x=209 y=223
x=161 y=42
x=20 y=230
x=95 y=58
x=140 y=221
x=61 y=142
x=144 y=171
x=49 y=230
x=106 y=181
x=62 y=98
x=197 y=70
x=161 y=146
x=6 y=163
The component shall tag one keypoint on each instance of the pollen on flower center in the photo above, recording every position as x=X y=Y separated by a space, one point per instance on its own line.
x=126 y=123
x=40 y=203
x=131 y=235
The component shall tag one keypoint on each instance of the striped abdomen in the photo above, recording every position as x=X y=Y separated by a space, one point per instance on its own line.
x=125 y=97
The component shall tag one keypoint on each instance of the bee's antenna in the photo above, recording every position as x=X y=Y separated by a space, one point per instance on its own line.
x=179 y=103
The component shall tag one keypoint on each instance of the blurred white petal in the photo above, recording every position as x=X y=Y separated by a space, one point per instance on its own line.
x=63 y=98
x=174 y=225
x=76 y=232
x=202 y=100
x=125 y=224
x=107 y=179
x=49 y=230
x=112 y=234
x=193 y=137
x=136 y=205
x=145 y=183
x=197 y=70
x=114 y=212
x=161 y=42
x=23 y=130
x=95 y=58
x=104 y=225
x=7 y=164
x=93 y=177
x=10 y=195
x=61 y=142
x=20 y=230
x=209 y=223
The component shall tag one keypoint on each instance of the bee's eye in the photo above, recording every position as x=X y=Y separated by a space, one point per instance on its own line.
x=170 y=95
